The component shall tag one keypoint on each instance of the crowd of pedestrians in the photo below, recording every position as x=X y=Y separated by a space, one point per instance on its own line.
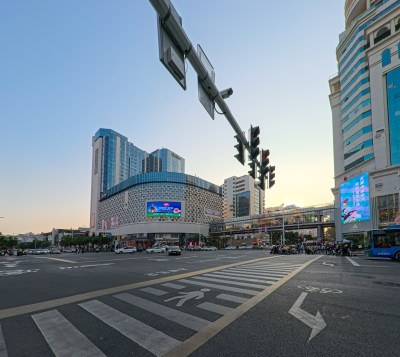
x=331 y=248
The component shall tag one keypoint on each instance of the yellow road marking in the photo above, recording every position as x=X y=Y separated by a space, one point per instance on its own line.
x=27 y=309
x=193 y=343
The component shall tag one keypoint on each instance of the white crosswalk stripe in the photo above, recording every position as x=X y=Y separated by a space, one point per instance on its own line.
x=174 y=286
x=154 y=291
x=187 y=320
x=230 y=282
x=148 y=337
x=242 y=278
x=255 y=274
x=232 y=298
x=219 y=309
x=220 y=287
x=227 y=289
x=64 y=339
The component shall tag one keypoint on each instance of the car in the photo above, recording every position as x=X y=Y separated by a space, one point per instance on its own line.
x=174 y=250
x=55 y=251
x=242 y=247
x=155 y=250
x=230 y=247
x=126 y=250
x=42 y=251
x=69 y=250
x=210 y=248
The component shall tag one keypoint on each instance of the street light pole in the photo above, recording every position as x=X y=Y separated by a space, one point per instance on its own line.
x=283 y=228
x=170 y=22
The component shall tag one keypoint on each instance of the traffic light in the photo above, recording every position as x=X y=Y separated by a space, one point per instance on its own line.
x=271 y=176
x=263 y=170
x=240 y=148
x=254 y=142
x=253 y=171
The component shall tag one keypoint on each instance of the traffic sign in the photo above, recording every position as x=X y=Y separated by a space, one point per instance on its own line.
x=205 y=97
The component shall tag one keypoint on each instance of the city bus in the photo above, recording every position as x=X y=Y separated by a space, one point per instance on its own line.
x=383 y=243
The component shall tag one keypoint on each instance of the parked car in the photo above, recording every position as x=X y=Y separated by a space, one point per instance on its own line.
x=126 y=250
x=242 y=247
x=155 y=250
x=69 y=250
x=230 y=247
x=174 y=250
x=210 y=248
x=55 y=251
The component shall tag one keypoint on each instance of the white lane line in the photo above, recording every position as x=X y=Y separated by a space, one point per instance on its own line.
x=148 y=337
x=219 y=309
x=220 y=287
x=225 y=281
x=232 y=298
x=3 y=347
x=174 y=286
x=181 y=318
x=59 y=259
x=242 y=278
x=154 y=291
x=64 y=339
x=353 y=262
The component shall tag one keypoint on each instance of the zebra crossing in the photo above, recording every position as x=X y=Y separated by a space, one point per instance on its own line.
x=193 y=303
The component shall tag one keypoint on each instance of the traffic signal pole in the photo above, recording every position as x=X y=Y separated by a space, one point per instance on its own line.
x=164 y=9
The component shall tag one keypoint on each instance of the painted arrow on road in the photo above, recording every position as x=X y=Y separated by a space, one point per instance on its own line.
x=326 y=263
x=316 y=322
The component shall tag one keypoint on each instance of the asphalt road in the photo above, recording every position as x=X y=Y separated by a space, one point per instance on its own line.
x=220 y=303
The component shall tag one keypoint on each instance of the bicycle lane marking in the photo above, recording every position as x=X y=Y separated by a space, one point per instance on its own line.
x=31 y=308
x=196 y=341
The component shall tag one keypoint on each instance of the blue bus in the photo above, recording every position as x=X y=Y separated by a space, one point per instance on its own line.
x=383 y=243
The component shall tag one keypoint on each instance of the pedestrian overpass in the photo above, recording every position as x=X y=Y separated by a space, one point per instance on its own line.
x=297 y=219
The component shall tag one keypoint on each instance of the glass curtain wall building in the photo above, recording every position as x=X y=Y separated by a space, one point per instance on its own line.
x=121 y=159
x=364 y=98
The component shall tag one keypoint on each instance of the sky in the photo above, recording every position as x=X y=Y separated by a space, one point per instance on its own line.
x=68 y=68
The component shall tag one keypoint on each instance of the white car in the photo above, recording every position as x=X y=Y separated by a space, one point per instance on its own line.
x=126 y=250
x=155 y=250
x=210 y=248
x=230 y=248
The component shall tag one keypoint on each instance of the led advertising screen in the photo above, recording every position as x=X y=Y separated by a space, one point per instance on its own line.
x=354 y=197
x=169 y=209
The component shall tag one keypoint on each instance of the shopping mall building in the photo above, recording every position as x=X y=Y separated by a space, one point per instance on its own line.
x=147 y=198
x=365 y=102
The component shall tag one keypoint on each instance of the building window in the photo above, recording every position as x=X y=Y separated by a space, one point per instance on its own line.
x=243 y=204
x=388 y=209
x=382 y=33
x=386 y=57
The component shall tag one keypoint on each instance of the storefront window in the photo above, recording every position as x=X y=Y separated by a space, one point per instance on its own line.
x=388 y=210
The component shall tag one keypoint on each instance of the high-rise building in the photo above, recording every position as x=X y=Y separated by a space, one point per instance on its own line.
x=242 y=197
x=365 y=102
x=164 y=160
x=115 y=160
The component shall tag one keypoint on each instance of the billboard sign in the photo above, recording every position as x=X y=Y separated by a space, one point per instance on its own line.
x=354 y=200
x=169 y=209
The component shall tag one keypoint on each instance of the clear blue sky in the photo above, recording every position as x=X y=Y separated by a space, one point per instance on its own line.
x=70 y=67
